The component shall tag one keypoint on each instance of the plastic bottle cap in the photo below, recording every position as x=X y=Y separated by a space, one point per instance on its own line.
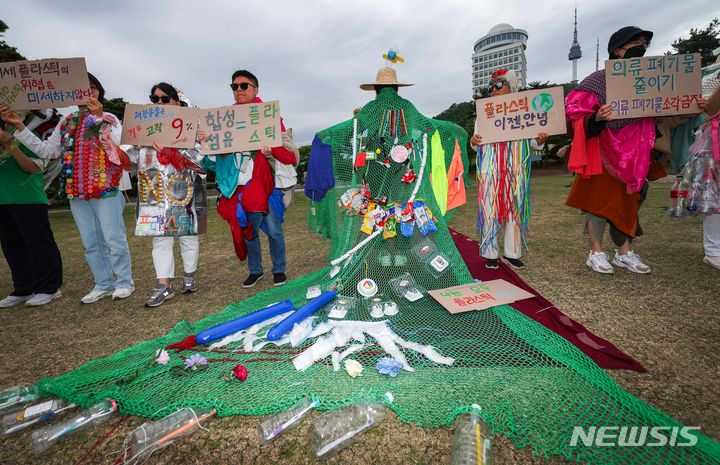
x=390 y=308
x=367 y=287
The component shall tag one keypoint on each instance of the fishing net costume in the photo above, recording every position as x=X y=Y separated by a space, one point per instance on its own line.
x=533 y=385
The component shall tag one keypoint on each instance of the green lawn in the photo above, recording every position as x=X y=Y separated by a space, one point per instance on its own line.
x=668 y=320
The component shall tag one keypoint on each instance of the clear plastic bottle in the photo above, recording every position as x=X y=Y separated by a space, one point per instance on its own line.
x=33 y=414
x=155 y=435
x=44 y=438
x=678 y=196
x=13 y=397
x=277 y=424
x=335 y=430
x=473 y=440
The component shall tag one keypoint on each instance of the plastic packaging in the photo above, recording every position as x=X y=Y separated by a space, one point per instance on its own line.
x=44 y=438
x=473 y=440
x=33 y=414
x=13 y=397
x=277 y=424
x=155 y=435
x=335 y=430
x=406 y=287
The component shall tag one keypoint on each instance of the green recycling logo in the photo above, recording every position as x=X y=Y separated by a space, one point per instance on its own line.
x=543 y=102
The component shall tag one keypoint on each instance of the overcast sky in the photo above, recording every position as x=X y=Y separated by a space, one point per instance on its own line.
x=312 y=55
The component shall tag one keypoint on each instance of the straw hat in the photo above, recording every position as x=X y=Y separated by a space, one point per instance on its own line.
x=385 y=77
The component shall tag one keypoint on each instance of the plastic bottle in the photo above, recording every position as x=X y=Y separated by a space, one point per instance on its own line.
x=13 y=397
x=335 y=430
x=155 y=435
x=473 y=440
x=277 y=424
x=678 y=196
x=33 y=414
x=44 y=438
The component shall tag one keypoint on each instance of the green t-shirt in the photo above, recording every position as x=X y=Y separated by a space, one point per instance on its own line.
x=17 y=186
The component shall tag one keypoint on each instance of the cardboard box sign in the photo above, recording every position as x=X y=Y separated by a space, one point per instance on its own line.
x=521 y=115
x=241 y=128
x=47 y=83
x=654 y=86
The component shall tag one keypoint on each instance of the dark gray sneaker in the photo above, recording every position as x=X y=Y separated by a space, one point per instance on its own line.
x=160 y=294
x=189 y=284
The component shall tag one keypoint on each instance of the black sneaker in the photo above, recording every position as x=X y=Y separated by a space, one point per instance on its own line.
x=189 y=284
x=279 y=279
x=252 y=280
x=491 y=263
x=514 y=262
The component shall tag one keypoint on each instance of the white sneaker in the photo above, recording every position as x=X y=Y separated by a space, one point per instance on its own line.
x=712 y=261
x=12 y=300
x=123 y=292
x=630 y=262
x=42 y=299
x=598 y=261
x=95 y=295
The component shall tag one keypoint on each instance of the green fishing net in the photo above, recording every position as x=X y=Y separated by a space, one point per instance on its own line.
x=533 y=385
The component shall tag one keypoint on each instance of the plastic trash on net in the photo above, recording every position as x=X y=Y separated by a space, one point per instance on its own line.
x=277 y=424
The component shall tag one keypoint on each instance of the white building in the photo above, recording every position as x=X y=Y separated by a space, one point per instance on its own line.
x=502 y=48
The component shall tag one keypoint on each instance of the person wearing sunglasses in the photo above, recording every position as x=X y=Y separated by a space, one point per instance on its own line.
x=250 y=185
x=167 y=162
x=93 y=173
x=504 y=185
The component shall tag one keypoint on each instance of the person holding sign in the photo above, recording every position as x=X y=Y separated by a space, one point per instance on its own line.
x=91 y=175
x=504 y=185
x=612 y=158
x=25 y=235
x=168 y=165
x=254 y=199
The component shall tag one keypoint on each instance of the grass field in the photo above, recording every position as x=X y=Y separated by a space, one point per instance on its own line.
x=669 y=321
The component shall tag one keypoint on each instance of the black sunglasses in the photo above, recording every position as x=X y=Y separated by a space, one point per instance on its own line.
x=156 y=98
x=242 y=85
x=497 y=86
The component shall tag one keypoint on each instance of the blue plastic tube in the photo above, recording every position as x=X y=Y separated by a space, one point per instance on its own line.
x=244 y=322
x=280 y=329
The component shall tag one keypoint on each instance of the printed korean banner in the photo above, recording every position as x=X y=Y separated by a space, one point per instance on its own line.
x=49 y=83
x=479 y=296
x=240 y=128
x=654 y=86
x=521 y=115
x=171 y=204
x=168 y=125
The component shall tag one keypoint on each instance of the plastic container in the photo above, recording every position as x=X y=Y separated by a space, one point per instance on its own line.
x=155 y=435
x=13 y=397
x=44 y=438
x=334 y=430
x=33 y=414
x=678 y=198
x=277 y=424
x=472 y=444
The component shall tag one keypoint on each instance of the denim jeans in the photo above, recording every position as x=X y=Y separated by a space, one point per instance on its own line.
x=275 y=237
x=102 y=232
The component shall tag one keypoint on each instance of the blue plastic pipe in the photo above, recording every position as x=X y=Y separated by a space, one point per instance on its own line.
x=280 y=329
x=244 y=322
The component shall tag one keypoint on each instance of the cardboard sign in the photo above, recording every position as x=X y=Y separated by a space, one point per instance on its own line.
x=479 y=296
x=168 y=125
x=521 y=115
x=49 y=83
x=241 y=128
x=654 y=86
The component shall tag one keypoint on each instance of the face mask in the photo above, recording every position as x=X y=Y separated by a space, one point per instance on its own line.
x=635 y=52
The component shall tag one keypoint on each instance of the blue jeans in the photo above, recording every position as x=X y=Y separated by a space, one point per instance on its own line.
x=102 y=232
x=275 y=237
